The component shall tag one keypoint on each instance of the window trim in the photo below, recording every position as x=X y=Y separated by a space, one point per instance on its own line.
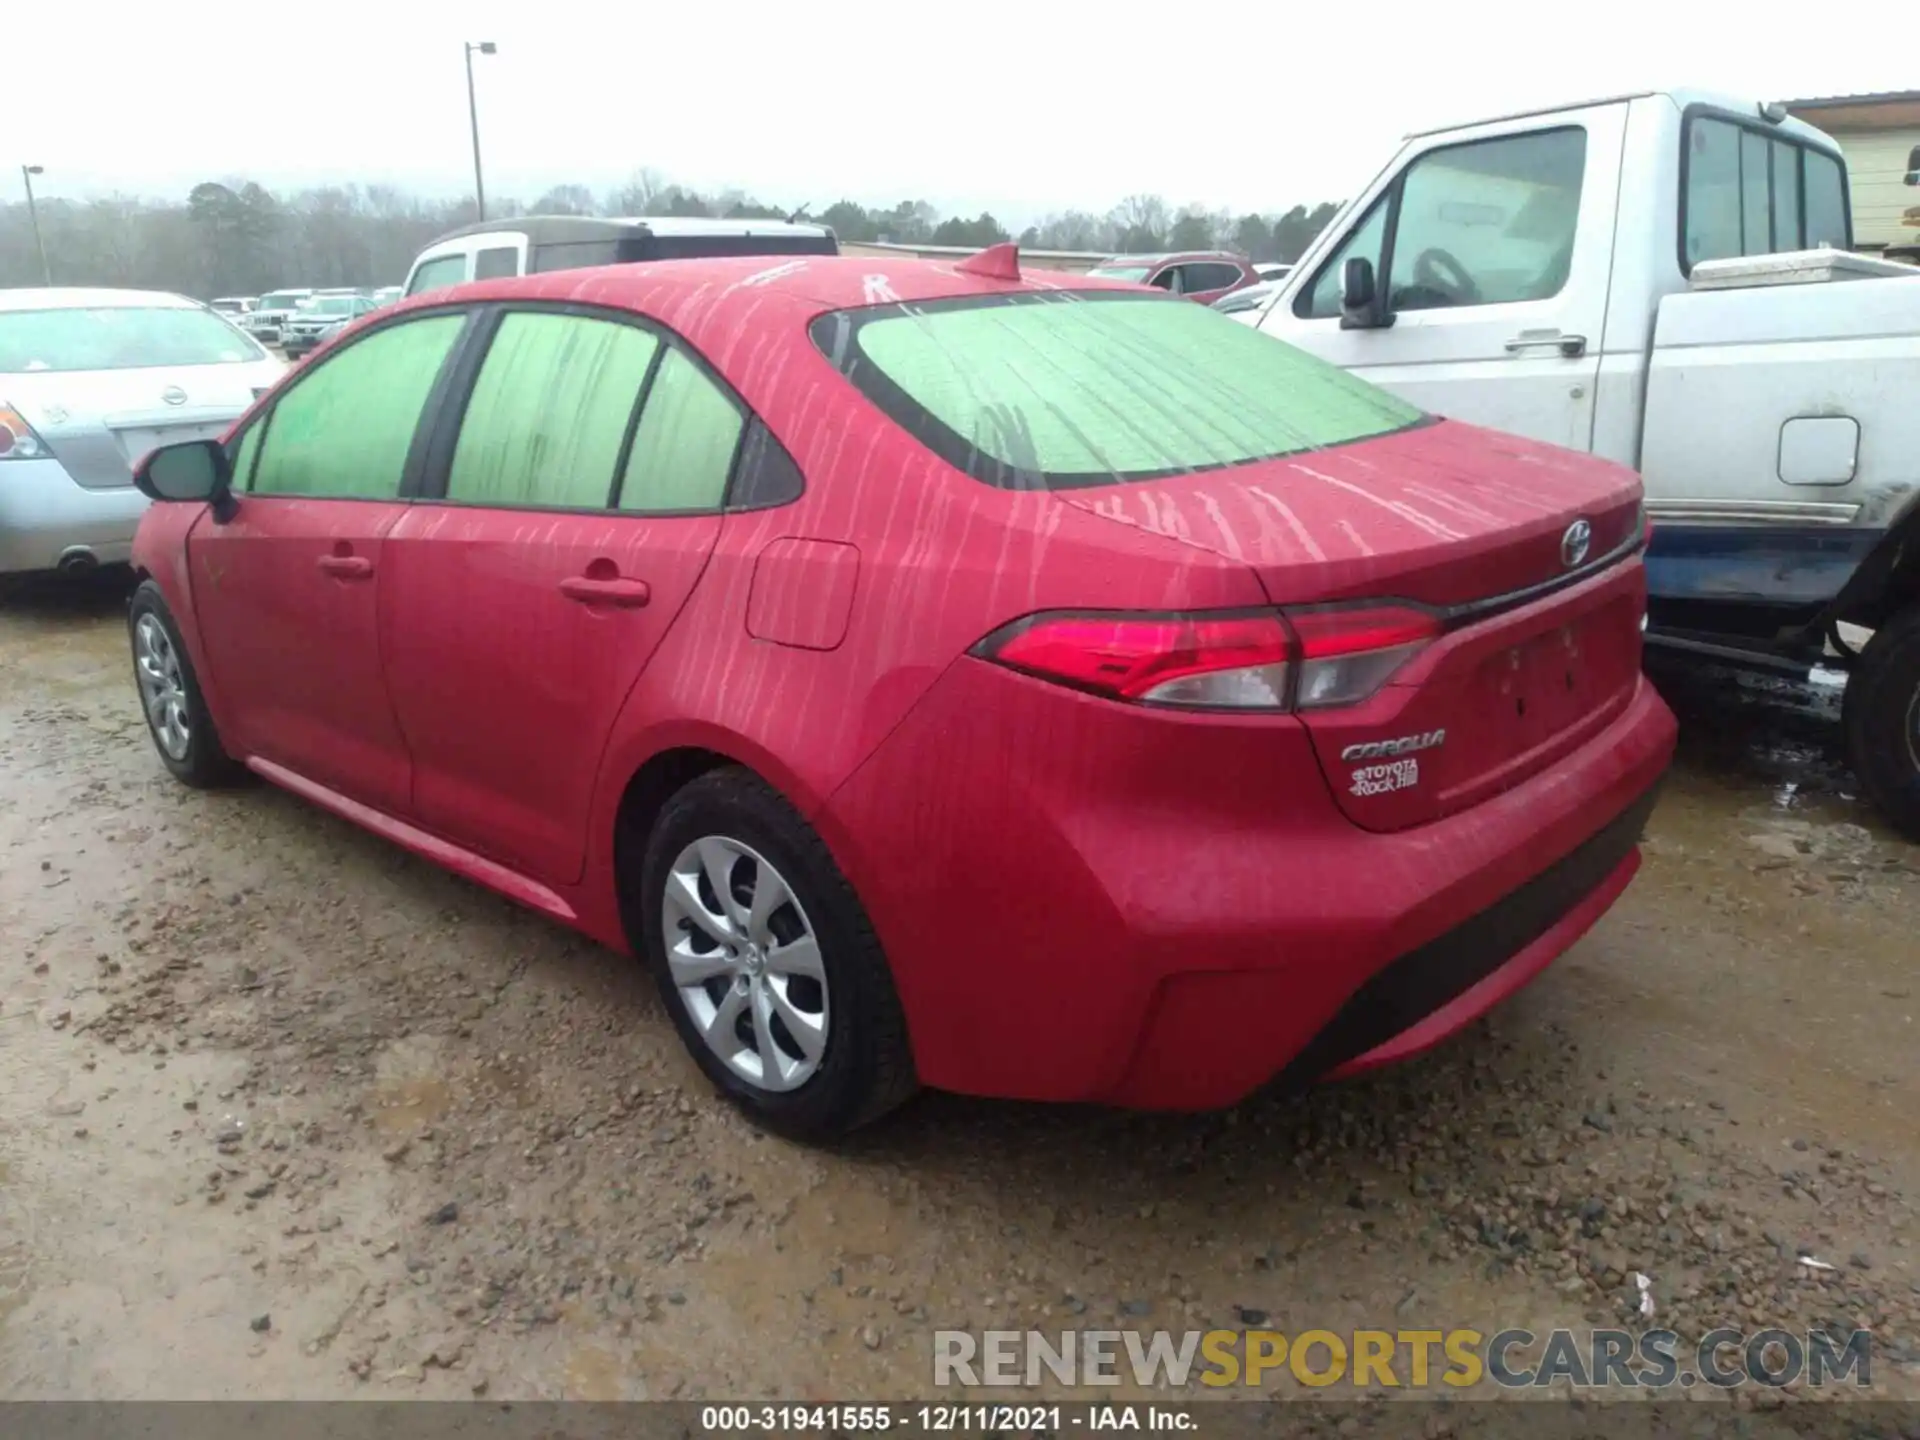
x=1390 y=229
x=1738 y=121
x=438 y=458
x=423 y=427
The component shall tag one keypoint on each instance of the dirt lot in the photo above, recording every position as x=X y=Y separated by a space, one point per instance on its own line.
x=284 y=1112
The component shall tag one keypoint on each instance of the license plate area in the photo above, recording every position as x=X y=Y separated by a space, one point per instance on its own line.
x=137 y=442
x=1543 y=686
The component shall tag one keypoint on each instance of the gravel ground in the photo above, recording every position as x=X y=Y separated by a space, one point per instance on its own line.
x=284 y=1112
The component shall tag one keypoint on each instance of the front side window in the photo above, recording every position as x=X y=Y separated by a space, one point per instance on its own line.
x=118 y=337
x=683 y=449
x=1751 y=192
x=549 y=412
x=343 y=429
x=496 y=264
x=1488 y=223
x=1069 y=389
x=438 y=274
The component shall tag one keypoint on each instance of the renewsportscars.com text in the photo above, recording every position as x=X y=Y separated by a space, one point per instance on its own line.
x=1402 y=1359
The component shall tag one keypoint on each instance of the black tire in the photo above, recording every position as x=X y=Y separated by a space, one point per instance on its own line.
x=866 y=1066
x=1881 y=714
x=204 y=763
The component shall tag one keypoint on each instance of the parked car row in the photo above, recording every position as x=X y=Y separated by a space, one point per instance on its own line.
x=296 y=319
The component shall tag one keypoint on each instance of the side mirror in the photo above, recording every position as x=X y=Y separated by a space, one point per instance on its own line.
x=1360 y=298
x=192 y=470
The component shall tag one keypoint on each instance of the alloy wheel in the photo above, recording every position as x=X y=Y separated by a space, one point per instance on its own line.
x=746 y=963
x=163 y=689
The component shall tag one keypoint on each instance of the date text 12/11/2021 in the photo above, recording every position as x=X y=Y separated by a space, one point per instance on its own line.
x=942 y=1419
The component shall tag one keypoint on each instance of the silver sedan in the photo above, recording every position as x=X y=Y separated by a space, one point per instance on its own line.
x=90 y=381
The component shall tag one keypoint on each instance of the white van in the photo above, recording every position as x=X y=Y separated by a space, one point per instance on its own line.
x=531 y=244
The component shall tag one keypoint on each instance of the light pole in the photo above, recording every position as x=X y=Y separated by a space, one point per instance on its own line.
x=27 y=172
x=485 y=47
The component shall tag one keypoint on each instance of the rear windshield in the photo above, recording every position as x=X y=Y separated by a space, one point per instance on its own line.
x=1061 y=390
x=118 y=337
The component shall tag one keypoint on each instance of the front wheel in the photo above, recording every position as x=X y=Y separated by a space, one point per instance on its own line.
x=767 y=962
x=1881 y=714
x=177 y=715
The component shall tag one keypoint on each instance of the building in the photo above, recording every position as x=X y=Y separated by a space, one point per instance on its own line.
x=1880 y=136
x=1077 y=261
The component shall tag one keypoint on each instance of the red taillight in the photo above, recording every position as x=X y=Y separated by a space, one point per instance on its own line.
x=1237 y=660
x=1260 y=660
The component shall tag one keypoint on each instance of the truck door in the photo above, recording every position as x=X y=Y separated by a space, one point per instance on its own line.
x=1492 y=248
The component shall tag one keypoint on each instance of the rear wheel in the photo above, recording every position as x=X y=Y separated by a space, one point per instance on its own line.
x=177 y=716
x=1881 y=713
x=767 y=962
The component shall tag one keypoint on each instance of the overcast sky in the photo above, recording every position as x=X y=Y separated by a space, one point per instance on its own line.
x=1018 y=108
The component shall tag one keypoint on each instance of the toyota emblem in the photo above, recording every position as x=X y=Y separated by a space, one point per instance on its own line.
x=174 y=395
x=1575 y=543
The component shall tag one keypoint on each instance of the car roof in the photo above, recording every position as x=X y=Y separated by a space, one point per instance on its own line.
x=1683 y=99
x=723 y=305
x=1162 y=259
x=564 y=229
x=75 y=297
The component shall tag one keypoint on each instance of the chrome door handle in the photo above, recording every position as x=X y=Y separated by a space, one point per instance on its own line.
x=1571 y=346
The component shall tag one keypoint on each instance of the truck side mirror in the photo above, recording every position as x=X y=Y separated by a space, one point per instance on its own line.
x=1913 y=166
x=1360 y=307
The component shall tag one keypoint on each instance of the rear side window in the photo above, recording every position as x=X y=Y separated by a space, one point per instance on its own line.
x=693 y=247
x=683 y=450
x=549 y=412
x=1749 y=191
x=496 y=264
x=438 y=274
x=573 y=256
x=1212 y=275
x=1062 y=389
x=343 y=428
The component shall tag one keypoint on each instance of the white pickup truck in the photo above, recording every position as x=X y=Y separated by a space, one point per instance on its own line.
x=1646 y=278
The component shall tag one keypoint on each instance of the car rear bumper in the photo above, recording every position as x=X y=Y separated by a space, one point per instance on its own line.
x=45 y=516
x=1085 y=901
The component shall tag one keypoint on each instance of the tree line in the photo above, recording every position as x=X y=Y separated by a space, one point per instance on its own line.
x=236 y=237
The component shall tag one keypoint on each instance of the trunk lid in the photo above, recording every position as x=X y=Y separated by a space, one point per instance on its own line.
x=99 y=423
x=1541 y=638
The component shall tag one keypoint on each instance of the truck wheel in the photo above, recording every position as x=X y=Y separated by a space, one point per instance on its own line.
x=1881 y=714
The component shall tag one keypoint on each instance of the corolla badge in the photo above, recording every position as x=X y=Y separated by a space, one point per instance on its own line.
x=174 y=395
x=1575 y=544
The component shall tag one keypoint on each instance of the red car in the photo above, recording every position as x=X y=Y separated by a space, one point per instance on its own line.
x=1202 y=275
x=1014 y=685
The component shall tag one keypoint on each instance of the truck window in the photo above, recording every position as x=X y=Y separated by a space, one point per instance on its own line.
x=1749 y=191
x=1490 y=222
x=497 y=263
x=438 y=274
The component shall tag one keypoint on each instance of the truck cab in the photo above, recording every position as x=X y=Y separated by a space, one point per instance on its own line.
x=1664 y=279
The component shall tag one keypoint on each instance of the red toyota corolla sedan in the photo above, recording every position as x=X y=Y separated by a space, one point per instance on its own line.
x=938 y=675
